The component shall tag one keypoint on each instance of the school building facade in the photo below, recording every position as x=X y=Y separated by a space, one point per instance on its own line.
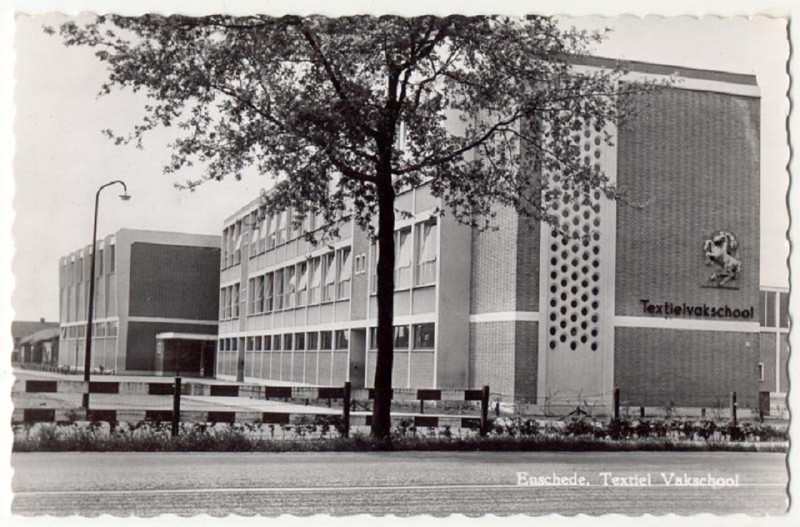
x=659 y=298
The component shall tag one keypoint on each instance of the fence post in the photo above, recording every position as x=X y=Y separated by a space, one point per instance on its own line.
x=421 y=406
x=176 y=407
x=733 y=407
x=641 y=412
x=616 y=403
x=484 y=411
x=346 y=410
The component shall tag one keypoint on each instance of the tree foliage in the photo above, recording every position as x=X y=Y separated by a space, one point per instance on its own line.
x=319 y=103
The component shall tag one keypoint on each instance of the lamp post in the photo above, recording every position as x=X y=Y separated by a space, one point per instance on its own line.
x=87 y=363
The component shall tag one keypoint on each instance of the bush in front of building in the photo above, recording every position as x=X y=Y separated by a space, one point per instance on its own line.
x=325 y=434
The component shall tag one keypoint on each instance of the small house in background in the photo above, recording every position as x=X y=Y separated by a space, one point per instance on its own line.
x=40 y=348
x=20 y=329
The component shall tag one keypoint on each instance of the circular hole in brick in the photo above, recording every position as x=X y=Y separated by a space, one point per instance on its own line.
x=574 y=304
x=562 y=338
x=564 y=296
x=595 y=318
x=552 y=331
x=595 y=263
x=553 y=317
x=554 y=275
x=597 y=141
x=573 y=318
x=587 y=134
x=583 y=339
x=552 y=344
x=573 y=345
x=594 y=346
x=596 y=236
x=595 y=291
x=597 y=154
x=594 y=332
x=553 y=289
x=595 y=304
x=553 y=261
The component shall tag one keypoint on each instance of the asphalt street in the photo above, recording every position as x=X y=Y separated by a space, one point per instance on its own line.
x=402 y=483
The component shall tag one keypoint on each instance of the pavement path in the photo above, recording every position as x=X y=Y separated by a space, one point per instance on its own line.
x=403 y=483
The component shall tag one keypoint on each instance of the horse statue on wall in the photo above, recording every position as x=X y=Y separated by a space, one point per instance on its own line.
x=722 y=251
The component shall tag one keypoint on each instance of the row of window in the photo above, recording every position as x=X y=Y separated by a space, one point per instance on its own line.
x=422 y=253
x=422 y=335
x=322 y=279
x=72 y=272
x=328 y=277
x=774 y=309
x=303 y=341
x=265 y=234
x=99 y=329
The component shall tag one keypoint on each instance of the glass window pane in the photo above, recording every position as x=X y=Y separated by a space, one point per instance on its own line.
x=401 y=337
x=784 y=308
x=342 y=339
x=771 y=309
x=424 y=336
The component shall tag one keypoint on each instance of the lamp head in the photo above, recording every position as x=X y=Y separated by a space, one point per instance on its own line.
x=125 y=197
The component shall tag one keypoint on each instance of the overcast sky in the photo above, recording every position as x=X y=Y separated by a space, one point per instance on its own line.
x=61 y=157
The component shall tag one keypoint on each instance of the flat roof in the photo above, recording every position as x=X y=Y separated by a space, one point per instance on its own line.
x=171 y=335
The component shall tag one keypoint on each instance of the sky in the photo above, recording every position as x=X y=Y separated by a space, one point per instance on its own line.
x=61 y=157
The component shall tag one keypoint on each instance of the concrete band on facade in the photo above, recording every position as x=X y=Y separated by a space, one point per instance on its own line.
x=537 y=319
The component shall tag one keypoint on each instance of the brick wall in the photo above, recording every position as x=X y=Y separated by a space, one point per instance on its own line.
x=767 y=356
x=173 y=281
x=692 y=159
x=492 y=358
x=690 y=368
x=494 y=265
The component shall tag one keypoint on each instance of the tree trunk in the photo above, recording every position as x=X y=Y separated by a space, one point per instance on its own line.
x=381 y=413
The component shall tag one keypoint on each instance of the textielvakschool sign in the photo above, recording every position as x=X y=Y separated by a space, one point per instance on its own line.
x=668 y=309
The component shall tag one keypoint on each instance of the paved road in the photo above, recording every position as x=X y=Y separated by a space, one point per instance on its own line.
x=375 y=483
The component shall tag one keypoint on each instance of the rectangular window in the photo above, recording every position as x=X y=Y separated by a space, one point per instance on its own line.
x=268 y=293
x=325 y=340
x=771 y=309
x=281 y=233
x=112 y=259
x=112 y=328
x=342 y=339
x=762 y=308
x=71 y=273
x=267 y=343
x=253 y=232
x=237 y=249
x=222 y=295
x=72 y=331
x=234 y=344
x=302 y=283
x=761 y=371
x=235 y=301
x=299 y=341
x=99 y=271
x=312 y=338
x=259 y=294
x=373 y=338
x=402 y=266
x=79 y=278
x=278 y=282
x=273 y=229
x=783 y=305
x=258 y=343
x=262 y=234
x=424 y=336
x=401 y=337
x=251 y=296
x=426 y=252
x=250 y=343
x=287 y=342
x=316 y=281
x=100 y=329
x=224 y=252
x=345 y=270
x=276 y=342
x=329 y=272
x=291 y=287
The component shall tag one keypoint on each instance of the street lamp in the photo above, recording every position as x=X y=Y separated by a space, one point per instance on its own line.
x=87 y=363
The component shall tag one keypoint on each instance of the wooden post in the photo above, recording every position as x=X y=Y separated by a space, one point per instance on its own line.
x=421 y=406
x=733 y=407
x=346 y=410
x=616 y=403
x=176 y=407
x=641 y=412
x=484 y=411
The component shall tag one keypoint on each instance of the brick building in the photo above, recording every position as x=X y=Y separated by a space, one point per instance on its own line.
x=659 y=299
x=147 y=283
